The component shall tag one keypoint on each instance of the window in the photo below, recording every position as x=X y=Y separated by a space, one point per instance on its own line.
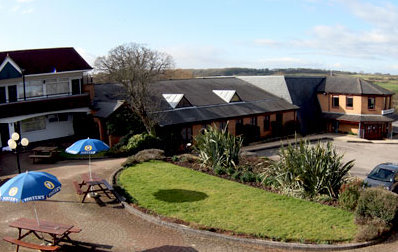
x=349 y=102
x=204 y=127
x=335 y=101
x=387 y=102
x=58 y=117
x=186 y=134
x=33 y=124
x=12 y=93
x=3 y=97
x=371 y=103
x=266 y=123
x=279 y=118
x=223 y=125
x=76 y=88
x=253 y=120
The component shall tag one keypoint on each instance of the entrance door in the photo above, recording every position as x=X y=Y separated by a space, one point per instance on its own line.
x=3 y=98
x=76 y=87
x=374 y=131
x=12 y=93
x=335 y=126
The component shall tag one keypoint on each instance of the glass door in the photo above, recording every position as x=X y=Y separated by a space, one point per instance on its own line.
x=76 y=87
x=3 y=98
x=12 y=93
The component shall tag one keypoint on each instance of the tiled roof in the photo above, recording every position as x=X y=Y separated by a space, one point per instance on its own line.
x=273 y=84
x=38 y=61
x=356 y=118
x=221 y=112
x=208 y=106
x=350 y=85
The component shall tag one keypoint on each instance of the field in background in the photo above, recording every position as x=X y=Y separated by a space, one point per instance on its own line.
x=385 y=81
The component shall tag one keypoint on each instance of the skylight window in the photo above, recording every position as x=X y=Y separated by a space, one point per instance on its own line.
x=228 y=95
x=177 y=100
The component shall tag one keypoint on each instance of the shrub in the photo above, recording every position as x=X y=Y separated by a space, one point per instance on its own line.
x=377 y=203
x=349 y=194
x=269 y=181
x=140 y=142
x=219 y=170
x=372 y=230
x=236 y=175
x=218 y=148
x=144 y=155
x=123 y=121
x=131 y=144
x=307 y=171
x=248 y=176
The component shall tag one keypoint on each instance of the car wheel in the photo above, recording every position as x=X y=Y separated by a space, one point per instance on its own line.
x=394 y=188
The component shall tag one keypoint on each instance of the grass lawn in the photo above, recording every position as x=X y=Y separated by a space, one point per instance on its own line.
x=210 y=201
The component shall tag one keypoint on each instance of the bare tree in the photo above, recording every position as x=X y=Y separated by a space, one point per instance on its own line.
x=135 y=67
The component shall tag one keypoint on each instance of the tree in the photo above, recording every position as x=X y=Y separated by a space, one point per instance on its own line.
x=135 y=67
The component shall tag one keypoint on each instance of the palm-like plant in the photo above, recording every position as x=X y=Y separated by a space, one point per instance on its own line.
x=308 y=171
x=218 y=148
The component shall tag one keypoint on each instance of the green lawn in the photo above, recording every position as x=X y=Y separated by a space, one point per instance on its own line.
x=210 y=201
x=391 y=85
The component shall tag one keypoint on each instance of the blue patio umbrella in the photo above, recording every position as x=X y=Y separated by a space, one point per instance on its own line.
x=87 y=147
x=30 y=186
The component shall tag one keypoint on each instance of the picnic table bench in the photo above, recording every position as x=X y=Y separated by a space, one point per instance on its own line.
x=57 y=232
x=30 y=245
x=93 y=183
x=43 y=153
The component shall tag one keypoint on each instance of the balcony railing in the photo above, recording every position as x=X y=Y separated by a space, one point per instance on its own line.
x=44 y=105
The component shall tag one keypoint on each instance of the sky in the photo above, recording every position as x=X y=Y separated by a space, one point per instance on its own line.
x=345 y=35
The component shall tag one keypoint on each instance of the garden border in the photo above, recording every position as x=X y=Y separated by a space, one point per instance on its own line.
x=265 y=243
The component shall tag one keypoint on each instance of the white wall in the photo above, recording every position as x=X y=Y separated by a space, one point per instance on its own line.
x=53 y=130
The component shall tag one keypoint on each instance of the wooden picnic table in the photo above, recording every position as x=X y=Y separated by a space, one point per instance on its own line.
x=43 y=152
x=58 y=232
x=40 y=149
x=92 y=183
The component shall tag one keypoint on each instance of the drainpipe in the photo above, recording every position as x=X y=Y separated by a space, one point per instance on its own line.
x=23 y=82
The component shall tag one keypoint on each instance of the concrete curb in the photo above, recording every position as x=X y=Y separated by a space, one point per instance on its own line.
x=226 y=238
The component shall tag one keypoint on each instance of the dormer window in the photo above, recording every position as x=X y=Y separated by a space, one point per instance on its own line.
x=177 y=100
x=228 y=95
x=9 y=69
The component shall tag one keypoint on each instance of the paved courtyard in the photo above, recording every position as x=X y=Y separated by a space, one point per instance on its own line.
x=108 y=227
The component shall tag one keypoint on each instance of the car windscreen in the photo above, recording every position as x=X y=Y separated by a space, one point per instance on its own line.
x=381 y=174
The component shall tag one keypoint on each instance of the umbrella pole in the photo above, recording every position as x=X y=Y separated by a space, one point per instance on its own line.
x=37 y=217
x=89 y=168
x=89 y=165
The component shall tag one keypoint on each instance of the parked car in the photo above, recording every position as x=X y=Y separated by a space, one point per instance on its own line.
x=384 y=175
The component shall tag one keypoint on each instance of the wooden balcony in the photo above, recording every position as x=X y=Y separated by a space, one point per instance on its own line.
x=44 y=105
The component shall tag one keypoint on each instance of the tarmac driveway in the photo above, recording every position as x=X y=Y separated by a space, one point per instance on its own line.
x=366 y=154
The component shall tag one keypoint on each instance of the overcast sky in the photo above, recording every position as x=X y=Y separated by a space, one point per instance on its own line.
x=347 y=35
